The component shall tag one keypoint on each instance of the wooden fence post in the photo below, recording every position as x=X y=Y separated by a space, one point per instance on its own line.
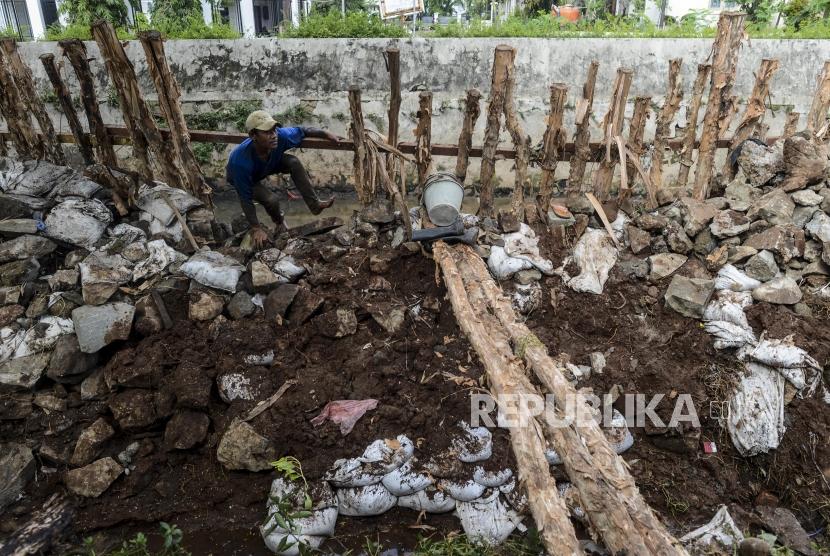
x=817 y=116
x=423 y=138
x=582 y=137
x=612 y=125
x=472 y=111
x=674 y=95
x=393 y=62
x=521 y=142
x=636 y=130
x=501 y=60
x=552 y=143
x=363 y=186
x=690 y=133
x=62 y=92
x=26 y=143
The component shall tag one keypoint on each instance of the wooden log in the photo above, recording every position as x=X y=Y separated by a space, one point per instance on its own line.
x=817 y=116
x=62 y=92
x=75 y=52
x=363 y=185
x=636 y=130
x=26 y=86
x=792 y=124
x=423 y=138
x=605 y=466
x=169 y=98
x=521 y=142
x=393 y=64
x=691 y=124
x=45 y=526
x=612 y=125
x=498 y=88
x=719 y=108
x=27 y=143
x=552 y=143
x=674 y=95
x=472 y=110
x=582 y=137
x=123 y=184
x=506 y=379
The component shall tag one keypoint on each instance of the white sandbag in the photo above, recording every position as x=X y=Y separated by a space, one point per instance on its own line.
x=349 y=473
x=783 y=354
x=489 y=521
x=730 y=278
x=35 y=178
x=595 y=256
x=430 y=500
x=524 y=245
x=291 y=543
x=319 y=523
x=502 y=266
x=39 y=338
x=462 y=490
x=491 y=479
x=473 y=445
x=80 y=222
x=404 y=481
x=174 y=230
x=160 y=256
x=365 y=501
x=126 y=233
x=729 y=335
x=722 y=308
x=151 y=199
x=571 y=498
x=756 y=411
x=721 y=529
x=76 y=187
x=214 y=270
x=384 y=456
x=323 y=508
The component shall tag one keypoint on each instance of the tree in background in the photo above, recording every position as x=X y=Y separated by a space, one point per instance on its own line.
x=175 y=10
x=441 y=7
x=760 y=11
x=85 y=12
x=323 y=7
x=798 y=13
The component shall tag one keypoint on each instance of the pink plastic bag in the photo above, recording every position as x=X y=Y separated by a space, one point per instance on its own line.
x=344 y=412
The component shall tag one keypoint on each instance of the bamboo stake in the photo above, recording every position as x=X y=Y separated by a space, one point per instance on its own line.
x=26 y=86
x=636 y=130
x=521 y=142
x=691 y=124
x=582 y=137
x=169 y=97
x=465 y=139
x=612 y=125
x=501 y=60
x=817 y=115
x=75 y=51
x=27 y=144
x=423 y=138
x=718 y=109
x=364 y=187
x=62 y=92
x=674 y=95
x=552 y=144
x=791 y=126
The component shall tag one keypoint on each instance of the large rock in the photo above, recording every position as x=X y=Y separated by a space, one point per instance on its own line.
x=10 y=313
x=94 y=479
x=638 y=239
x=807 y=198
x=785 y=242
x=80 y=222
x=278 y=301
x=242 y=448
x=204 y=305
x=262 y=279
x=101 y=276
x=651 y=222
x=740 y=195
x=17 y=468
x=61 y=280
x=729 y=223
x=781 y=291
x=677 y=239
x=775 y=207
x=379 y=211
x=18 y=272
x=819 y=227
x=91 y=441
x=134 y=409
x=696 y=214
x=802 y=215
x=762 y=267
x=665 y=264
x=24 y=247
x=241 y=305
x=303 y=307
x=760 y=163
x=688 y=296
x=804 y=161
x=185 y=430
x=68 y=364
x=99 y=326
x=336 y=324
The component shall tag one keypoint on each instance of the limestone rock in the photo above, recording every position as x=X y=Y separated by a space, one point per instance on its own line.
x=807 y=198
x=305 y=304
x=740 y=253
x=688 y=296
x=740 y=195
x=819 y=227
x=10 y=313
x=729 y=223
x=664 y=264
x=278 y=301
x=186 y=429
x=802 y=215
x=379 y=211
x=242 y=448
x=781 y=291
x=638 y=239
x=785 y=242
x=390 y=318
x=204 y=305
x=804 y=161
x=99 y=326
x=336 y=324
x=68 y=363
x=705 y=242
x=94 y=479
x=677 y=239
x=90 y=442
x=761 y=267
x=17 y=468
x=696 y=214
x=24 y=247
x=651 y=222
x=241 y=305
x=63 y=280
x=775 y=207
x=262 y=279
x=760 y=163
x=17 y=272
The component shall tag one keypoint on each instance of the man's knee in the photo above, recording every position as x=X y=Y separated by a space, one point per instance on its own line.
x=291 y=162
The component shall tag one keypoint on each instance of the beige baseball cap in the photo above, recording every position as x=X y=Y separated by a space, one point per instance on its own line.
x=261 y=120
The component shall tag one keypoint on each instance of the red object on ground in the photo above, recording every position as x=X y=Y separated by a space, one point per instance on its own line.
x=710 y=448
x=344 y=412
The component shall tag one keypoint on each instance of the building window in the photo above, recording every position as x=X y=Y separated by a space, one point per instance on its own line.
x=15 y=16
x=714 y=4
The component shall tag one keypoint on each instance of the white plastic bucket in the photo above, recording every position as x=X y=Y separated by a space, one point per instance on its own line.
x=442 y=198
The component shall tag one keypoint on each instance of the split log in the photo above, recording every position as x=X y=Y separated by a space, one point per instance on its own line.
x=719 y=108
x=612 y=125
x=26 y=86
x=75 y=51
x=498 y=86
x=552 y=144
x=13 y=108
x=507 y=380
x=521 y=142
x=691 y=124
x=423 y=138
x=169 y=98
x=465 y=139
x=604 y=467
x=671 y=105
x=636 y=130
x=582 y=137
x=791 y=126
x=363 y=186
x=38 y=534
x=817 y=116
x=62 y=92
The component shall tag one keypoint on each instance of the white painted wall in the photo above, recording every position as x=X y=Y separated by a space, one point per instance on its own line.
x=36 y=18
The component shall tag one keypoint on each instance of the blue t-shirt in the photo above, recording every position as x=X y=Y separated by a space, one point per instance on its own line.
x=245 y=168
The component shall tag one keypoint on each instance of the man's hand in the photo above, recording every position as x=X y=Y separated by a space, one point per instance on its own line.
x=259 y=236
x=332 y=137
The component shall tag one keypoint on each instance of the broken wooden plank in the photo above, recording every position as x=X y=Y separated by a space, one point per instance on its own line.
x=317 y=227
x=162 y=309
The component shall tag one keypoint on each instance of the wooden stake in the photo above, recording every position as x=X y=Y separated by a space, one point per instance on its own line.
x=363 y=186
x=465 y=139
x=791 y=126
x=27 y=144
x=718 y=109
x=582 y=137
x=674 y=95
x=423 y=138
x=62 y=92
x=169 y=98
x=612 y=125
x=393 y=64
x=636 y=130
x=817 y=115
x=498 y=88
x=75 y=52
x=552 y=144
x=26 y=87
x=691 y=124
x=521 y=142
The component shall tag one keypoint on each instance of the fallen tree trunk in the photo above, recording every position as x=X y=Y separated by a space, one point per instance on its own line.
x=498 y=86
x=674 y=95
x=62 y=92
x=465 y=139
x=582 y=137
x=552 y=144
x=691 y=124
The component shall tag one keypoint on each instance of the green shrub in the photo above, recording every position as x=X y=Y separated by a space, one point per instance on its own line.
x=88 y=11
x=8 y=32
x=353 y=25
x=82 y=31
x=194 y=27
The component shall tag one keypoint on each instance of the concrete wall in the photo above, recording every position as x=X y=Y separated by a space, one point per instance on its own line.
x=315 y=74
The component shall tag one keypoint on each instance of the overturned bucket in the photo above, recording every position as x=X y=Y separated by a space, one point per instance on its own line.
x=442 y=198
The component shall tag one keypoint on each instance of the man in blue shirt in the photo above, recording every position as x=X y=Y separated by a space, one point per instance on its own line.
x=263 y=154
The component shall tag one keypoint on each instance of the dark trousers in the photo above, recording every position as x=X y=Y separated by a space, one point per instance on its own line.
x=290 y=165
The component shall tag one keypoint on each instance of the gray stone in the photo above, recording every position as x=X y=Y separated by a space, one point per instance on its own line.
x=101 y=276
x=760 y=163
x=762 y=267
x=337 y=323
x=204 y=305
x=785 y=242
x=63 y=280
x=651 y=222
x=79 y=222
x=597 y=362
x=17 y=468
x=720 y=203
x=343 y=237
x=242 y=448
x=134 y=409
x=705 y=242
x=739 y=253
x=696 y=214
x=740 y=195
x=186 y=429
x=688 y=296
x=812 y=251
x=278 y=301
x=633 y=268
x=658 y=245
x=638 y=239
x=802 y=215
x=68 y=363
x=263 y=279
x=379 y=211
x=775 y=207
x=241 y=305
x=24 y=372
x=525 y=277
x=825 y=195
x=825 y=253
x=9 y=295
x=803 y=310
x=90 y=442
x=677 y=239
x=10 y=313
x=135 y=252
x=664 y=264
x=781 y=291
x=17 y=272
x=817 y=268
x=807 y=198
x=24 y=247
x=390 y=318
x=94 y=386
x=729 y=223
x=94 y=479
x=98 y=326
x=819 y=227
x=38 y=306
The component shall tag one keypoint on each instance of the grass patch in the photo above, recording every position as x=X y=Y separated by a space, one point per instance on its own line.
x=462 y=545
x=354 y=25
x=171 y=536
x=233 y=113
